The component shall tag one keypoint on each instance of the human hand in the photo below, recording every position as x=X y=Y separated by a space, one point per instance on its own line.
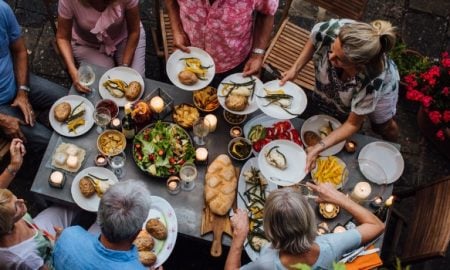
x=239 y=222
x=326 y=192
x=80 y=87
x=58 y=231
x=253 y=65
x=17 y=150
x=181 y=41
x=24 y=105
x=288 y=75
x=11 y=127
x=311 y=157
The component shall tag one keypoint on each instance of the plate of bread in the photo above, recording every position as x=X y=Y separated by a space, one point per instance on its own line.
x=159 y=233
x=68 y=156
x=89 y=185
x=122 y=85
x=71 y=115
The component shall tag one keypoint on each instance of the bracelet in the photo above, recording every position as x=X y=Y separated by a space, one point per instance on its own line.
x=11 y=171
x=258 y=51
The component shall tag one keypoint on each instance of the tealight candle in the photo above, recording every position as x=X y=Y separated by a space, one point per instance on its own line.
x=235 y=131
x=339 y=229
x=211 y=121
x=173 y=185
x=116 y=124
x=101 y=160
x=350 y=146
x=157 y=104
x=56 y=179
x=201 y=154
x=361 y=192
x=377 y=202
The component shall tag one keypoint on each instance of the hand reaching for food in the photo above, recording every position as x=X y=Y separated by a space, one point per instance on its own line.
x=288 y=75
x=239 y=222
x=327 y=193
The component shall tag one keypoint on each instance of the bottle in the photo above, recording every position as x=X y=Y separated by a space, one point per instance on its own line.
x=128 y=127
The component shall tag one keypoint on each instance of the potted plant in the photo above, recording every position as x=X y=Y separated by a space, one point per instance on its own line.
x=432 y=89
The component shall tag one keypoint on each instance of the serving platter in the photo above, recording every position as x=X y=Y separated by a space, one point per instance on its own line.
x=73 y=100
x=299 y=100
x=238 y=78
x=90 y=204
x=125 y=74
x=175 y=65
x=162 y=210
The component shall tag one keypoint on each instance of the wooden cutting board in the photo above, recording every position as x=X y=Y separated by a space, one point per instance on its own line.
x=218 y=225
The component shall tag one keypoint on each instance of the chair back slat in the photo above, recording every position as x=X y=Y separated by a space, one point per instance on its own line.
x=167 y=34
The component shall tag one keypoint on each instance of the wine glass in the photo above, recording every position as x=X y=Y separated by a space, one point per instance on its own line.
x=117 y=163
x=200 y=129
x=102 y=117
x=86 y=75
x=188 y=173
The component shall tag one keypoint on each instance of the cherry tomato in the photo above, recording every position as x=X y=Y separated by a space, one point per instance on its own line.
x=160 y=152
x=270 y=133
x=257 y=146
x=172 y=160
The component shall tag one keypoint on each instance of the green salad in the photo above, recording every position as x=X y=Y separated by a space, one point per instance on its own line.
x=161 y=148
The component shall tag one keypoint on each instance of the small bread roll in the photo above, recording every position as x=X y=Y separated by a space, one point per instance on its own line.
x=144 y=241
x=133 y=90
x=156 y=228
x=236 y=102
x=147 y=258
x=62 y=111
x=187 y=77
x=87 y=188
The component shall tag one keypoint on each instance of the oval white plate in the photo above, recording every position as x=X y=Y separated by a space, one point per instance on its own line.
x=162 y=210
x=387 y=157
x=127 y=75
x=242 y=187
x=174 y=66
x=90 y=204
x=238 y=78
x=299 y=101
x=296 y=163
x=73 y=100
x=314 y=123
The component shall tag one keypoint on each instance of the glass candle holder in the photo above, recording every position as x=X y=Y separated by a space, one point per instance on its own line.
x=173 y=185
x=201 y=155
x=57 y=179
x=100 y=160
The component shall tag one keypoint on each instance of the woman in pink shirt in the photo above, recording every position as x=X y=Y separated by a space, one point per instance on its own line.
x=106 y=33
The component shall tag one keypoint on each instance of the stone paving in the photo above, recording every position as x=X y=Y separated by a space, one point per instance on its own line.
x=424 y=25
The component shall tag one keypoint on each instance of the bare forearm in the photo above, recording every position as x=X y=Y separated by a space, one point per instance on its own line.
x=234 y=256
x=305 y=56
x=173 y=9
x=20 y=59
x=263 y=29
x=63 y=39
x=133 y=24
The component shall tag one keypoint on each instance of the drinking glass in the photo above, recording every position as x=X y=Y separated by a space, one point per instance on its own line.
x=86 y=75
x=117 y=163
x=102 y=117
x=188 y=173
x=201 y=129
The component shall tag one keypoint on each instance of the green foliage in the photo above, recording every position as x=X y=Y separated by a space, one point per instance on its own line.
x=408 y=61
x=398 y=265
x=302 y=266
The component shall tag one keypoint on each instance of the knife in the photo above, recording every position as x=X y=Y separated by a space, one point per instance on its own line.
x=273 y=71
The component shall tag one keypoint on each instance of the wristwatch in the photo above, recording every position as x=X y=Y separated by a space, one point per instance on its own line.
x=258 y=51
x=25 y=88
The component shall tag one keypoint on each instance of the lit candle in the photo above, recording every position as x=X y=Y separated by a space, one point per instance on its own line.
x=201 y=154
x=173 y=185
x=157 y=104
x=377 y=202
x=235 y=131
x=212 y=122
x=350 y=146
x=56 y=179
x=339 y=229
x=100 y=160
x=115 y=123
x=361 y=192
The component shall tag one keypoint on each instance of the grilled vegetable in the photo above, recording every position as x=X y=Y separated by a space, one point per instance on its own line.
x=116 y=87
x=257 y=132
x=73 y=124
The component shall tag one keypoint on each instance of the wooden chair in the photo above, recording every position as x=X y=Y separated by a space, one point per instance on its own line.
x=428 y=232
x=290 y=39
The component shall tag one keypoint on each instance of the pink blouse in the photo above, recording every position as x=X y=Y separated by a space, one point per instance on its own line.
x=103 y=30
x=223 y=29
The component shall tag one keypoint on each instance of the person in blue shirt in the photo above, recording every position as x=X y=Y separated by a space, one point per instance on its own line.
x=24 y=98
x=123 y=209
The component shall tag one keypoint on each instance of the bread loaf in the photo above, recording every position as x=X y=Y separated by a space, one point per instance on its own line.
x=220 y=185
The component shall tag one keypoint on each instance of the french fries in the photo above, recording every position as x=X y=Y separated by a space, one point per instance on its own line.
x=206 y=99
x=329 y=170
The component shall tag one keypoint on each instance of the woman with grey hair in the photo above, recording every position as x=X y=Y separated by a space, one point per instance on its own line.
x=290 y=226
x=123 y=209
x=354 y=78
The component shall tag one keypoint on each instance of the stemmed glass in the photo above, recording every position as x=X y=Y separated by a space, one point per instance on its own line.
x=86 y=75
x=200 y=129
x=102 y=117
x=117 y=163
x=188 y=173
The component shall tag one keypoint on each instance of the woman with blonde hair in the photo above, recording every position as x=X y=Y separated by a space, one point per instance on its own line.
x=354 y=77
x=26 y=243
x=107 y=33
x=290 y=226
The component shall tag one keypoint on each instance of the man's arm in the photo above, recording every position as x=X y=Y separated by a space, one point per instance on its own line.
x=180 y=39
x=261 y=36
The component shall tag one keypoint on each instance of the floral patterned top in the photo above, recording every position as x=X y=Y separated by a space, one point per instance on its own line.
x=359 y=94
x=224 y=28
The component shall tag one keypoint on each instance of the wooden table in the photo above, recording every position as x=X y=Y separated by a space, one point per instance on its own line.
x=188 y=205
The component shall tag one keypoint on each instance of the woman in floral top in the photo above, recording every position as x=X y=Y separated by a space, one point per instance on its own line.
x=353 y=75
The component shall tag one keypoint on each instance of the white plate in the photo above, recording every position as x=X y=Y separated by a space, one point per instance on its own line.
x=299 y=101
x=238 y=78
x=90 y=204
x=73 y=100
x=161 y=209
x=125 y=74
x=387 y=157
x=174 y=66
x=242 y=187
x=314 y=123
x=296 y=163
x=341 y=162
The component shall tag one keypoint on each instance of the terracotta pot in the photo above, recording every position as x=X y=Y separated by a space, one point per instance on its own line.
x=429 y=130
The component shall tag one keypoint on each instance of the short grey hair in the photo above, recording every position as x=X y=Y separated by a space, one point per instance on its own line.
x=289 y=221
x=123 y=209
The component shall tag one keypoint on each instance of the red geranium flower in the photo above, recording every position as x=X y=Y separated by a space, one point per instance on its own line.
x=440 y=135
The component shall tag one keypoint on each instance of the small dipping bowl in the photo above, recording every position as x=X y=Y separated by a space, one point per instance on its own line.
x=236 y=131
x=234 y=119
x=173 y=185
x=240 y=148
x=101 y=160
x=57 y=179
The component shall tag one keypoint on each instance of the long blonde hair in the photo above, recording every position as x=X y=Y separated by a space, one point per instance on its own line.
x=366 y=44
x=7 y=213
